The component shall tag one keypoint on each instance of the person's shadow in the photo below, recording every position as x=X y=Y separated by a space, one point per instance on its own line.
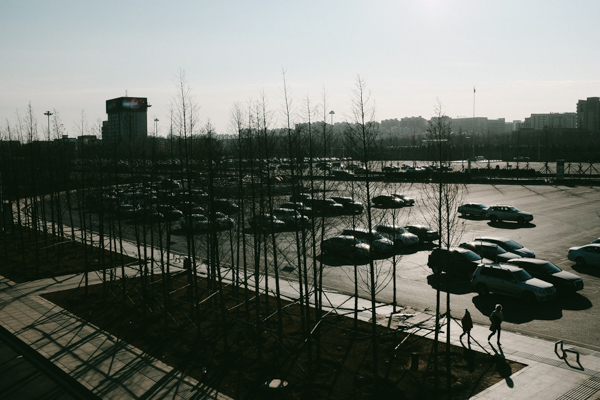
x=503 y=368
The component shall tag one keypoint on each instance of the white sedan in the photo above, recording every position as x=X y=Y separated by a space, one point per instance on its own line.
x=588 y=254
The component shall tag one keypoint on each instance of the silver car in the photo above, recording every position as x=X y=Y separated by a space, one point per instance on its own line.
x=585 y=255
x=398 y=234
x=380 y=245
x=512 y=281
x=508 y=213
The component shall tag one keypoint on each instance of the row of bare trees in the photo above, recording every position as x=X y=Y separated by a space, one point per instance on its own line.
x=83 y=199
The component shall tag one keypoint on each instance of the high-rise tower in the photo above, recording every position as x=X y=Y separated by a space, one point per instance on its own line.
x=127 y=124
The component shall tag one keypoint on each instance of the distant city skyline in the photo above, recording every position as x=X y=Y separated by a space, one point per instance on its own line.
x=523 y=58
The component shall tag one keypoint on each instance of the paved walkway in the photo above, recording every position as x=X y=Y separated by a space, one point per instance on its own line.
x=113 y=369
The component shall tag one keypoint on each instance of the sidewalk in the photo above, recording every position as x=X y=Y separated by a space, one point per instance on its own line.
x=112 y=369
x=109 y=368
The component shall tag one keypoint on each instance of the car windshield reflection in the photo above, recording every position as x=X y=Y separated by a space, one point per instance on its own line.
x=522 y=275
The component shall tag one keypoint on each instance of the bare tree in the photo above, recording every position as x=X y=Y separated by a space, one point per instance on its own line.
x=361 y=133
x=442 y=198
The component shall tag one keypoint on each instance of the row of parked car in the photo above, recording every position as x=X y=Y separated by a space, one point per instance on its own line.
x=501 y=265
x=495 y=213
x=296 y=212
x=383 y=241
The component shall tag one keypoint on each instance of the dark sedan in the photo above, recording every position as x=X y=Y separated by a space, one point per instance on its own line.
x=563 y=281
x=455 y=261
x=508 y=245
x=345 y=246
x=387 y=201
x=424 y=233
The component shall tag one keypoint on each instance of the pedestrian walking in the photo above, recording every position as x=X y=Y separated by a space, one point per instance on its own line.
x=467 y=325
x=496 y=318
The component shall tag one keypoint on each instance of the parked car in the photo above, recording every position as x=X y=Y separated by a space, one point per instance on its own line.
x=147 y=215
x=326 y=207
x=498 y=213
x=266 y=222
x=127 y=211
x=390 y=169
x=408 y=201
x=345 y=246
x=423 y=232
x=380 y=245
x=197 y=222
x=222 y=221
x=301 y=198
x=596 y=241
x=398 y=234
x=190 y=207
x=170 y=212
x=588 y=254
x=563 y=281
x=292 y=218
x=387 y=201
x=512 y=281
x=490 y=250
x=201 y=222
x=225 y=206
x=508 y=245
x=298 y=206
x=342 y=173
x=473 y=209
x=454 y=261
x=351 y=206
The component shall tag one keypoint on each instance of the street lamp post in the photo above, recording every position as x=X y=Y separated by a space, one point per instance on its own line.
x=48 y=114
x=332 y=113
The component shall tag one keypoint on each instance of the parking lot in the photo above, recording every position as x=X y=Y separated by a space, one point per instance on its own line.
x=563 y=217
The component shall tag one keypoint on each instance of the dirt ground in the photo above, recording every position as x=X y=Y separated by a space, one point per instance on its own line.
x=236 y=340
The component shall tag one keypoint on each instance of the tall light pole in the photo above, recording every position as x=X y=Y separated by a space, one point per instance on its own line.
x=48 y=113
x=332 y=113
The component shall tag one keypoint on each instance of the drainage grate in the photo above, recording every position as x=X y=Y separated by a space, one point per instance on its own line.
x=583 y=391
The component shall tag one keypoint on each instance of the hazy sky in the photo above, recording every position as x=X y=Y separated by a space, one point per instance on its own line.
x=523 y=56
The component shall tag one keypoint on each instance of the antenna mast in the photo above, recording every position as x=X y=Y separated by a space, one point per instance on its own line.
x=473 y=101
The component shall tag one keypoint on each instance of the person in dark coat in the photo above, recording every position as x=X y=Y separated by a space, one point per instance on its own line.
x=496 y=318
x=467 y=325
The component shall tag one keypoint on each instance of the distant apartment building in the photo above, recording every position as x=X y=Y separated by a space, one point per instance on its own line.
x=588 y=114
x=127 y=123
x=413 y=125
x=513 y=126
x=549 y=121
x=479 y=125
